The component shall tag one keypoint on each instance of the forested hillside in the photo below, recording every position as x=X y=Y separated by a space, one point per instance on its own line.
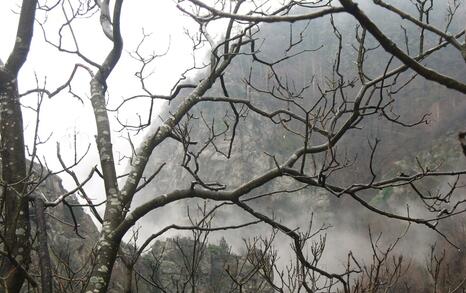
x=417 y=126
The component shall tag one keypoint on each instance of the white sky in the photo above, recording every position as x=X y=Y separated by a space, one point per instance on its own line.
x=63 y=114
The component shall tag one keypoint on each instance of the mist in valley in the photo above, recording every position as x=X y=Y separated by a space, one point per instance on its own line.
x=348 y=228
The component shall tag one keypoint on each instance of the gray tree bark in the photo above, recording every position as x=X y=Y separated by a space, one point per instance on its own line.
x=14 y=201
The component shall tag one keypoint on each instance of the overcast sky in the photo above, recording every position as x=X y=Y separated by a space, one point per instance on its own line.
x=64 y=115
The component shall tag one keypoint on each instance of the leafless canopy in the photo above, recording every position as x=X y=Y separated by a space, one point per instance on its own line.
x=235 y=87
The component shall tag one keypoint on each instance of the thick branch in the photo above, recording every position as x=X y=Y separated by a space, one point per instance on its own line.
x=105 y=20
x=142 y=155
x=393 y=49
x=23 y=37
x=114 y=55
x=421 y=24
x=269 y=18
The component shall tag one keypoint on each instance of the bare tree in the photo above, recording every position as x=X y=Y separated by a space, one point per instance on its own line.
x=318 y=113
x=14 y=200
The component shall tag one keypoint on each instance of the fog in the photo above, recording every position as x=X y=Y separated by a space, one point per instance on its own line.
x=69 y=121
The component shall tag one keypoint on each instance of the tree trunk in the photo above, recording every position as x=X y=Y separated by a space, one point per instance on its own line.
x=109 y=244
x=106 y=252
x=15 y=229
x=45 y=263
x=14 y=202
